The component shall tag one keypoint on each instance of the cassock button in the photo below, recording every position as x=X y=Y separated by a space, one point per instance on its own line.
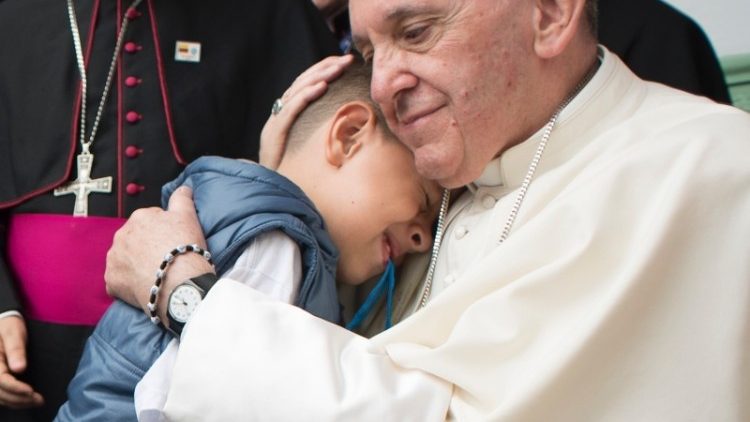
x=132 y=151
x=132 y=47
x=488 y=201
x=133 y=189
x=132 y=117
x=449 y=279
x=132 y=14
x=461 y=231
x=132 y=81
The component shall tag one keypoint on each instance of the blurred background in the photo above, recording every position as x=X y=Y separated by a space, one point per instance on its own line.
x=727 y=25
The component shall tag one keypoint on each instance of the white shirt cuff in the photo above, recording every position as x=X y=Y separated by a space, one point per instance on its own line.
x=10 y=313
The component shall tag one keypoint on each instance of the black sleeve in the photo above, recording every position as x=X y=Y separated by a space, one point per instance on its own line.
x=8 y=296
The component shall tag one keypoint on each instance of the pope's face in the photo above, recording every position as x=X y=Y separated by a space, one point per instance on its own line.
x=448 y=76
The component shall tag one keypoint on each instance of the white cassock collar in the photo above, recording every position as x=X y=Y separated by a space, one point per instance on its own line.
x=510 y=168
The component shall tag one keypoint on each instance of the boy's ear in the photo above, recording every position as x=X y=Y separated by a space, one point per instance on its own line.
x=555 y=24
x=352 y=126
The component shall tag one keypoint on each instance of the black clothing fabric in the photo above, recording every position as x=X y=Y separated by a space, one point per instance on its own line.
x=661 y=44
x=250 y=52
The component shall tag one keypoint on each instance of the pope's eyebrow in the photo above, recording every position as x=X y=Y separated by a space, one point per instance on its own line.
x=395 y=15
x=402 y=12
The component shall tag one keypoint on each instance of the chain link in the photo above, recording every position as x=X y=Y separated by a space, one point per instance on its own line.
x=85 y=146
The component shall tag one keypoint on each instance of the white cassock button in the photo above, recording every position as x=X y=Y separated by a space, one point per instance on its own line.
x=449 y=279
x=461 y=231
x=488 y=201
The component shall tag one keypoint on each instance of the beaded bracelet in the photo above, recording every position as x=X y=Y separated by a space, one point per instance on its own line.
x=168 y=258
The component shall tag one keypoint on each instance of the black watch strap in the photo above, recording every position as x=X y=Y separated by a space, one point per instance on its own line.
x=205 y=281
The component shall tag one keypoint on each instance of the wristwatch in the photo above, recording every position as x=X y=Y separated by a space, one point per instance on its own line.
x=185 y=298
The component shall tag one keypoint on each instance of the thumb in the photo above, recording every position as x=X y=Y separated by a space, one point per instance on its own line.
x=182 y=207
x=181 y=201
x=13 y=343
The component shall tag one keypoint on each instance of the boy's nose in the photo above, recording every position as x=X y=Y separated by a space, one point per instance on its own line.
x=412 y=236
x=420 y=238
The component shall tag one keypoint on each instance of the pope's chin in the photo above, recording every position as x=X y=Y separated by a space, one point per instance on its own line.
x=442 y=164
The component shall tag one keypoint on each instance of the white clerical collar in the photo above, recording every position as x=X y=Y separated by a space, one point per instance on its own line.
x=510 y=168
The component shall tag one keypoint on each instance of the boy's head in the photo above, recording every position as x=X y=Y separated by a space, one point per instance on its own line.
x=361 y=178
x=352 y=85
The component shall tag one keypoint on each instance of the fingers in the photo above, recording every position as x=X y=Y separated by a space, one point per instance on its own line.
x=13 y=344
x=275 y=132
x=182 y=201
x=325 y=70
x=301 y=99
x=14 y=393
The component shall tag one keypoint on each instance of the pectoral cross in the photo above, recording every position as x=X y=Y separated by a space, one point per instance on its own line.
x=83 y=185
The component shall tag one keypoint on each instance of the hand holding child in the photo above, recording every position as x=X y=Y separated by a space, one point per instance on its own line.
x=308 y=87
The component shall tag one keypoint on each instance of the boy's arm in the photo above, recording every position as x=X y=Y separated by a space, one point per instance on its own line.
x=272 y=265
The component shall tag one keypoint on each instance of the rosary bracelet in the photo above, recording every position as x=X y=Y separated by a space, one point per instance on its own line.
x=168 y=258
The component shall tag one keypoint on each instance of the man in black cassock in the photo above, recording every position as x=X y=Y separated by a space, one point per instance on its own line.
x=193 y=78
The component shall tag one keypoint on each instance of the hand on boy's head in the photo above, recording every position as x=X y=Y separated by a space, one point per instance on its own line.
x=308 y=87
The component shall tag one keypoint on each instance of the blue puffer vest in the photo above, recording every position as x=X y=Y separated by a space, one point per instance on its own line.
x=236 y=201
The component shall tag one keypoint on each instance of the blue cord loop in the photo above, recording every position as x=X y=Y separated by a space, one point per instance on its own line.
x=386 y=284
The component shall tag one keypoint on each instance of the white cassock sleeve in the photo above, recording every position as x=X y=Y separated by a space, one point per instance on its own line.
x=271 y=264
x=247 y=357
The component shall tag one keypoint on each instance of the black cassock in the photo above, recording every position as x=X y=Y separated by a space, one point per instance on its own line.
x=661 y=44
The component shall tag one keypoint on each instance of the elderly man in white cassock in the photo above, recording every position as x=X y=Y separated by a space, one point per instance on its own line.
x=596 y=267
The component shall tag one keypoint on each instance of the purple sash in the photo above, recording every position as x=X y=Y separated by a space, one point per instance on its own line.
x=58 y=261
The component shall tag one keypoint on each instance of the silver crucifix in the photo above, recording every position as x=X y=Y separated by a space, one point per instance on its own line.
x=83 y=185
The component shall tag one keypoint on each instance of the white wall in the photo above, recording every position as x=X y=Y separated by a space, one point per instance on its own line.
x=726 y=22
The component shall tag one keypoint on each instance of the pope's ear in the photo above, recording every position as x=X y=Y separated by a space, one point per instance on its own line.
x=351 y=128
x=556 y=22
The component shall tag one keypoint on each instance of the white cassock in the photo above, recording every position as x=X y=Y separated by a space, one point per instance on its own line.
x=621 y=294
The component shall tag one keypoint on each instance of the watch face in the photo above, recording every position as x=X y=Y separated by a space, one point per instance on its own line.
x=182 y=302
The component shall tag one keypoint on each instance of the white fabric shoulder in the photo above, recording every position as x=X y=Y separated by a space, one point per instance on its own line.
x=272 y=265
